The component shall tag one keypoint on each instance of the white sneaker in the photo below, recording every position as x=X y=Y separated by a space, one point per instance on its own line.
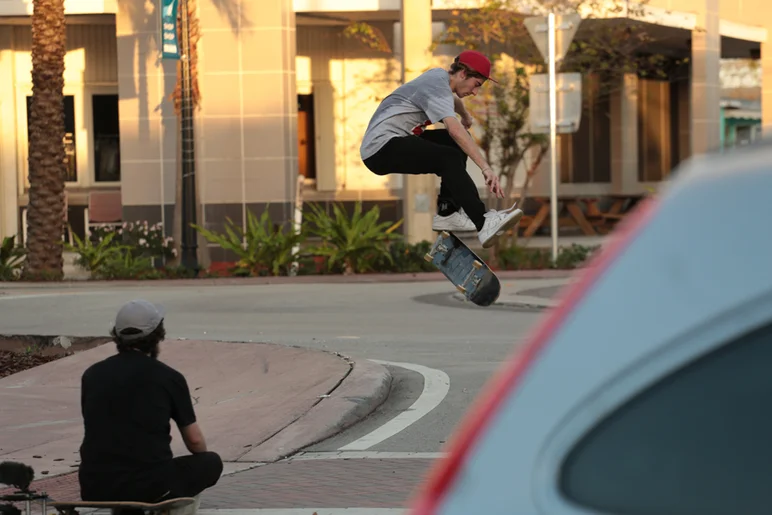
x=191 y=509
x=497 y=222
x=458 y=221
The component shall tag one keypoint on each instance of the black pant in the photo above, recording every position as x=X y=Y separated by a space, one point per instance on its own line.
x=434 y=151
x=193 y=474
x=184 y=476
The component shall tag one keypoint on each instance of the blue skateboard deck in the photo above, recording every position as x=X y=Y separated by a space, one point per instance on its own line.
x=471 y=276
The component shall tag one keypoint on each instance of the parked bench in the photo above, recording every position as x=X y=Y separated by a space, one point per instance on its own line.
x=104 y=208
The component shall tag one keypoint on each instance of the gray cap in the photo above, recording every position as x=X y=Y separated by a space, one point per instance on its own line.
x=138 y=314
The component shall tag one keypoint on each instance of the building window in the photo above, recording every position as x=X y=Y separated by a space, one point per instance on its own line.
x=69 y=135
x=107 y=142
x=585 y=156
x=657 y=112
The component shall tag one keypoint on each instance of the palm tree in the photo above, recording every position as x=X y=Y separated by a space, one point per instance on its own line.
x=46 y=143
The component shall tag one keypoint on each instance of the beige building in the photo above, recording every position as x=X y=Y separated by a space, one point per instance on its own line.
x=284 y=92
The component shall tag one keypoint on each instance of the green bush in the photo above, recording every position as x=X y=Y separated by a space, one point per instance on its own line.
x=574 y=256
x=124 y=252
x=11 y=259
x=142 y=238
x=523 y=258
x=126 y=265
x=262 y=248
x=91 y=255
x=356 y=242
x=405 y=258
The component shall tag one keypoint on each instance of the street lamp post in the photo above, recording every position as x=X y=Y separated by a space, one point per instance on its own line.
x=189 y=258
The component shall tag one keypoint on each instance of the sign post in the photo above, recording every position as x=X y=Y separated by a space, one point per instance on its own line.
x=174 y=49
x=553 y=137
x=552 y=35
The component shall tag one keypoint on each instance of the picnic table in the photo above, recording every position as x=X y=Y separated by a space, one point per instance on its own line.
x=580 y=211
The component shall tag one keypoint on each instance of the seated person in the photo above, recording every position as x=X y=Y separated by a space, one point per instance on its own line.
x=127 y=402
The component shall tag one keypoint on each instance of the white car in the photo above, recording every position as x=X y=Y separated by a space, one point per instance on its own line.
x=648 y=390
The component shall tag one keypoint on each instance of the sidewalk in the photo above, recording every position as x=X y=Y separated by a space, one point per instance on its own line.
x=9 y=287
x=256 y=403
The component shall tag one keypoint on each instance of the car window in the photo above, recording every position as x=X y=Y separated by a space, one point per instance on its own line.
x=699 y=442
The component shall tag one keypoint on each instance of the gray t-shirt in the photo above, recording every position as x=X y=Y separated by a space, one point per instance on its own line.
x=423 y=101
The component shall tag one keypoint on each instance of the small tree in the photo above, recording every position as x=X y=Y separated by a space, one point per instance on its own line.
x=608 y=51
x=502 y=134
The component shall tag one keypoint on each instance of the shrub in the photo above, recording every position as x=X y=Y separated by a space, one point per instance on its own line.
x=11 y=259
x=356 y=242
x=262 y=247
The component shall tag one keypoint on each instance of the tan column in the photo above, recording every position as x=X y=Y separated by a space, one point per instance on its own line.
x=766 y=86
x=248 y=118
x=245 y=129
x=420 y=191
x=706 y=86
x=9 y=207
x=624 y=136
x=148 y=125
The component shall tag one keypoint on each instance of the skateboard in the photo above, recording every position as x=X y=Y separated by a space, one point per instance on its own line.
x=163 y=507
x=471 y=276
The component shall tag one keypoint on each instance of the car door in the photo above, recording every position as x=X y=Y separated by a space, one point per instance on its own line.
x=600 y=412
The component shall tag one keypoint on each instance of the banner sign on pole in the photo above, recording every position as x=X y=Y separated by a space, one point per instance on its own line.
x=170 y=47
x=569 y=103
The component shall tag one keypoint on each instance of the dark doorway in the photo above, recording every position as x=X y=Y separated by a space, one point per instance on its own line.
x=306 y=137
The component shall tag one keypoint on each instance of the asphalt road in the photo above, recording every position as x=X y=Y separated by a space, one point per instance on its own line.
x=404 y=322
x=408 y=323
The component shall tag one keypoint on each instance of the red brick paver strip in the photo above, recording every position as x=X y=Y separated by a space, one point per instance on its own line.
x=64 y=487
x=338 y=483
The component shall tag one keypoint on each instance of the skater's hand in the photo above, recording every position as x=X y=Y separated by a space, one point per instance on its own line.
x=492 y=181
x=466 y=120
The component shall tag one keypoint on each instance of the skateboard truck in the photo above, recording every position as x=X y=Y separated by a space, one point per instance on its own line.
x=471 y=275
x=438 y=247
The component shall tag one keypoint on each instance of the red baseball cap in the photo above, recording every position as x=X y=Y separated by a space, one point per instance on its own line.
x=476 y=61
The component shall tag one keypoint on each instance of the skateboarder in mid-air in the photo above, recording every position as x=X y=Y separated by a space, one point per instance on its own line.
x=395 y=142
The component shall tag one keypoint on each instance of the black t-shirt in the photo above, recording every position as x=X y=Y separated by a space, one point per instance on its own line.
x=127 y=402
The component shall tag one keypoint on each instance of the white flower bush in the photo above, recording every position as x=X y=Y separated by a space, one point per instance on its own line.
x=144 y=239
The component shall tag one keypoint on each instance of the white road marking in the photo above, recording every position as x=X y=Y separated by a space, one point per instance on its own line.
x=436 y=387
x=305 y=511
x=363 y=455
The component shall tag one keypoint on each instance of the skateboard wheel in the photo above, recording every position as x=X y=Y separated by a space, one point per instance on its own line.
x=428 y=257
x=461 y=289
x=477 y=265
x=445 y=234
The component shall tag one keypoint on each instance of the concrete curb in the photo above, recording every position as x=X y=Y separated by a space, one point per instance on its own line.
x=363 y=389
x=304 y=279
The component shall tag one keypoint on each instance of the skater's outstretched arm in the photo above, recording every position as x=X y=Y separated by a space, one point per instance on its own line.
x=467 y=144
